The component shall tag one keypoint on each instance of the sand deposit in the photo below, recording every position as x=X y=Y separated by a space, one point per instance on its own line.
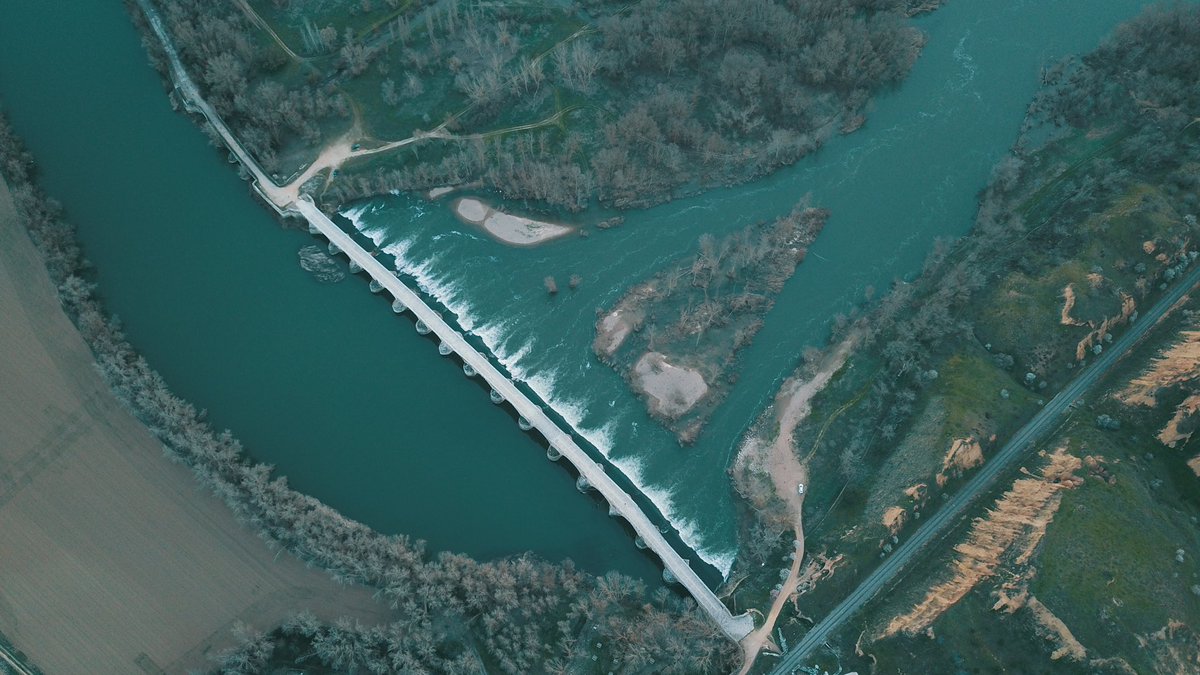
x=1017 y=523
x=672 y=390
x=611 y=333
x=1178 y=364
x=505 y=227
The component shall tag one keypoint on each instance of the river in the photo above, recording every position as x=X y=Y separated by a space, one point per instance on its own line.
x=355 y=408
x=910 y=176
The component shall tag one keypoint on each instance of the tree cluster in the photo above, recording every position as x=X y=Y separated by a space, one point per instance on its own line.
x=657 y=95
x=242 y=79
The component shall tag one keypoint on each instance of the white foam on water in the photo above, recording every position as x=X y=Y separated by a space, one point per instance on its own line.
x=544 y=382
x=664 y=501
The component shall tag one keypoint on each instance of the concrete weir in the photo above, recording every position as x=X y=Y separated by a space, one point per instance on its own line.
x=591 y=473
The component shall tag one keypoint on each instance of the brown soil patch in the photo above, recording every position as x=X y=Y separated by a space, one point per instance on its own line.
x=1056 y=631
x=1180 y=427
x=113 y=559
x=964 y=454
x=894 y=519
x=1178 y=364
x=1011 y=596
x=1128 y=306
x=1065 y=317
x=1194 y=465
x=819 y=568
x=1018 y=521
x=1175 y=648
x=917 y=492
x=672 y=390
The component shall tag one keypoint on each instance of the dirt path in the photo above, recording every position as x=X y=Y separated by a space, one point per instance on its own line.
x=112 y=558
x=753 y=643
x=262 y=23
x=345 y=149
x=792 y=405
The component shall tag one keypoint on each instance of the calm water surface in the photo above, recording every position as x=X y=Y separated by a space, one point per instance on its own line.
x=356 y=409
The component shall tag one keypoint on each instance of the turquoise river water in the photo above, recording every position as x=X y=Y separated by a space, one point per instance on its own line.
x=357 y=409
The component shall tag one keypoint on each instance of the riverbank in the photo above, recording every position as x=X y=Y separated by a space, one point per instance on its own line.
x=774 y=461
x=130 y=529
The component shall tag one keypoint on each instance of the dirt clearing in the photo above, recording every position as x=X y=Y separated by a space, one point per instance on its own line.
x=671 y=390
x=113 y=560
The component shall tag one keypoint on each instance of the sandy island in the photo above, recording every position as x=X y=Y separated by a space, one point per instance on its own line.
x=114 y=559
x=510 y=229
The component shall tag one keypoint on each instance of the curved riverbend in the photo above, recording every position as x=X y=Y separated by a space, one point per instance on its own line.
x=207 y=286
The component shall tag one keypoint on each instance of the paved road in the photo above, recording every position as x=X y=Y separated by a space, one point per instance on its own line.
x=948 y=515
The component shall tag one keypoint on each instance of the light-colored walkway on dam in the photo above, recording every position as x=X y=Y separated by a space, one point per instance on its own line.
x=620 y=502
x=735 y=627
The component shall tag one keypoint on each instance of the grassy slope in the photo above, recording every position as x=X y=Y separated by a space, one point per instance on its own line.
x=1106 y=567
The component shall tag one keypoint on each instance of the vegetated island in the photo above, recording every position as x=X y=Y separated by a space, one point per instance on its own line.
x=676 y=337
x=559 y=104
x=1084 y=556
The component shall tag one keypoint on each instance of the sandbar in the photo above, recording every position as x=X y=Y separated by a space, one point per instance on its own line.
x=506 y=227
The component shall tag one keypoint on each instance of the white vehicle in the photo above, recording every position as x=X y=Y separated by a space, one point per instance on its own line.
x=800 y=488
